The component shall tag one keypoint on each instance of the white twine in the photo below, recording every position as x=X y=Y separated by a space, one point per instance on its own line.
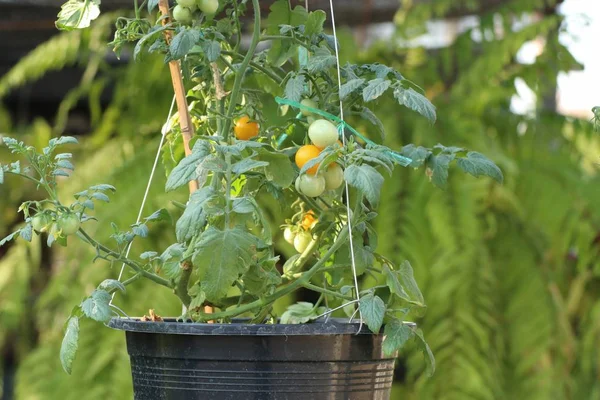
x=348 y=209
x=165 y=129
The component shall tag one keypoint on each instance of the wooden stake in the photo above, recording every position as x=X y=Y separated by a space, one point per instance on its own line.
x=185 y=119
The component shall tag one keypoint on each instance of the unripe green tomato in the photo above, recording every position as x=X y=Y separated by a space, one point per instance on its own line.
x=68 y=224
x=323 y=133
x=41 y=222
x=182 y=14
x=308 y=103
x=301 y=241
x=191 y=4
x=334 y=177
x=289 y=235
x=208 y=6
x=310 y=185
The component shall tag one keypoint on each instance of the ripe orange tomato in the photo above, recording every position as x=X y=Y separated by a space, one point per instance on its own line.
x=305 y=154
x=309 y=220
x=245 y=129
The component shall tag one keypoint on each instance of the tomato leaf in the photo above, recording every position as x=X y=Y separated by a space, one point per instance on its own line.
x=280 y=170
x=372 y=310
x=366 y=179
x=27 y=232
x=370 y=116
x=185 y=171
x=183 y=42
x=407 y=279
x=152 y=4
x=350 y=87
x=247 y=164
x=77 y=14
x=426 y=350
x=437 y=169
x=418 y=155
x=10 y=237
x=212 y=50
x=314 y=23
x=193 y=217
x=301 y=313
x=260 y=277
x=375 y=88
x=478 y=165
x=416 y=102
x=97 y=306
x=394 y=284
x=221 y=257
x=397 y=333
x=321 y=61
x=111 y=285
x=295 y=88
x=68 y=348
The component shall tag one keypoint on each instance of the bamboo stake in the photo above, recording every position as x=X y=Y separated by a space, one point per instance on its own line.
x=185 y=119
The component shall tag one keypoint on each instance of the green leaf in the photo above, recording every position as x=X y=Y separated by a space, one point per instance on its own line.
x=407 y=279
x=295 y=88
x=370 y=116
x=478 y=165
x=372 y=310
x=366 y=179
x=375 y=88
x=314 y=23
x=258 y=279
x=63 y=140
x=198 y=300
x=416 y=102
x=159 y=215
x=243 y=205
x=111 y=285
x=212 y=50
x=350 y=87
x=140 y=230
x=152 y=4
x=221 y=257
x=321 y=61
x=103 y=188
x=193 y=217
x=68 y=348
x=97 y=306
x=1 y=175
x=77 y=14
x=247 y=164
x=429 y=358
x=290 y=266
x=418 y=155
x=394 y=284
x=396 y=333
x=10 y=237
x=301 y=313
x=185 y=171
x=437 y=169
x=280 y=170
x=101 y=197
x=27 y=232
x=183 y=42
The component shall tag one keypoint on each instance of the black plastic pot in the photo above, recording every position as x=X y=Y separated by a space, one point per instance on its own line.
x=318 y=361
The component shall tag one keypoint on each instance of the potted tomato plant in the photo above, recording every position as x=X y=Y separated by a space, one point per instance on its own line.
x=240 y=156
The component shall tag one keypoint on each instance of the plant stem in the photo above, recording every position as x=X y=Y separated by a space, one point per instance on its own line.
x=327 y=292
x=137 y=9
x=149 y=275
x=25 y=176
x=181 y=290
x=241 y=72
x=271 y=74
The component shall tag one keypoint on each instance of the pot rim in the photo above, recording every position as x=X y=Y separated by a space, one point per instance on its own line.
x=333 y=326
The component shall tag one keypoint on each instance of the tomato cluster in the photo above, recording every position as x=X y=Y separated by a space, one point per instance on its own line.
x=183 y=12
x=300 y=235
x=322 y=134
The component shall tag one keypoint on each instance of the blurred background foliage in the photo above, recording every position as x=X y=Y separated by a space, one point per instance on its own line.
x=510 y=272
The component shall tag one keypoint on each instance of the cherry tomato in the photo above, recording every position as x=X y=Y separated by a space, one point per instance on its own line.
x=301 y=241
x=289 y=235
x=311 y=185
x=246 y=129
x=309 y=221
x=323 y=133
x=208 y=6
x=305 y=154
x=308 y=103
x=191 y=4
x=334 y=177
x=41 y=222
x=182 y=14
x=68 y=224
